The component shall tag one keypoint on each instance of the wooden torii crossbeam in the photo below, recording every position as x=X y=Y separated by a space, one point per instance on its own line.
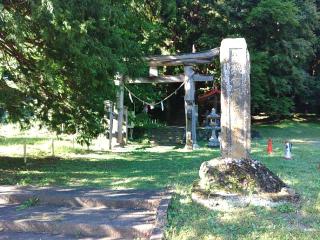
x=184 y=59
x=189 y=77
x=169 y=79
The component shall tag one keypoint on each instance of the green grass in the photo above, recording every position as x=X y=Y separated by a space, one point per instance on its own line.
x=143 y=168
x=138 y=169
x=7 y=141
x=288 y=221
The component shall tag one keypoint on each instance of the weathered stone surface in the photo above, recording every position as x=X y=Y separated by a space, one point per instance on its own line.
x=82 y=213
x=235 y=177
x=235 y=99
x=238 y=175
x=34 y=236
x=227 y=184
x=228 y=202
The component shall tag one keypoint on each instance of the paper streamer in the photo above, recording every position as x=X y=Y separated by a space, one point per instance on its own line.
x=145 y=108
x=131 y=100
x=162 y=107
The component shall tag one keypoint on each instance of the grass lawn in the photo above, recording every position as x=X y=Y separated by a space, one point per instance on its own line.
x=145 y=167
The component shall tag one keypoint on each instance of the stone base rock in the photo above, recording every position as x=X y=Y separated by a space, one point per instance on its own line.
x=239 y=182
x=227 y=202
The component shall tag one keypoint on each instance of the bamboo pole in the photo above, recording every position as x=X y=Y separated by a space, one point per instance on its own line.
x=25 y=153
x=73 y=144
x=52 y=147
x=126 y=122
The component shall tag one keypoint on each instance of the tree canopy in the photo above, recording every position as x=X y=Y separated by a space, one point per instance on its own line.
x=281 y=38
x=63 y=55
x=58 y=59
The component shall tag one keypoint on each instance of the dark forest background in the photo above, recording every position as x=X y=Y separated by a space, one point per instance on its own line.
x=58 y=58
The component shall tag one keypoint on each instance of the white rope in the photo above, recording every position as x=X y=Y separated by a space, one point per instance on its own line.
x=156 y=103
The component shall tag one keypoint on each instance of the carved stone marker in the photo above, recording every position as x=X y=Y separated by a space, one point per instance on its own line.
x=235 y=99
x=232 y=178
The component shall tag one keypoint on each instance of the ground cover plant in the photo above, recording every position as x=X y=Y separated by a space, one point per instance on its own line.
x=158 y=167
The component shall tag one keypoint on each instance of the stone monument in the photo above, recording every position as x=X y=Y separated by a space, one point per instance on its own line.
x=235 y=99
x=235 y=171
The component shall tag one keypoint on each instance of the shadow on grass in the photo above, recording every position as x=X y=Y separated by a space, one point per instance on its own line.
x=21 y=140
x=128 y=170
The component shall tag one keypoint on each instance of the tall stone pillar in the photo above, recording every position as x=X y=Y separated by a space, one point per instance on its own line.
x=189 y=106
x=215 y=175
x=235 y=99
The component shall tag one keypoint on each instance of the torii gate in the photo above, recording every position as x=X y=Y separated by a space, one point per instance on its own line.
x=189 y=77
x=235 y=93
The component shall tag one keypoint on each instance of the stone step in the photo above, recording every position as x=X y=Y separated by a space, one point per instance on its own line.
x=82 y=213
x=84 y=197
x=34 y=236
x=110 y=223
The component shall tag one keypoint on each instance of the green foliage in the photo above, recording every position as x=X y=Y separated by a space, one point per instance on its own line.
x=58 y=59
x=31 y=202
x=63 y=56
x=281 y=37
x=286 y=208
x=143 y=120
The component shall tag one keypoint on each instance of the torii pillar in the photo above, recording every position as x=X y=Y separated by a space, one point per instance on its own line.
x=190 y=109
x=235 y=99
x=120 y=109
